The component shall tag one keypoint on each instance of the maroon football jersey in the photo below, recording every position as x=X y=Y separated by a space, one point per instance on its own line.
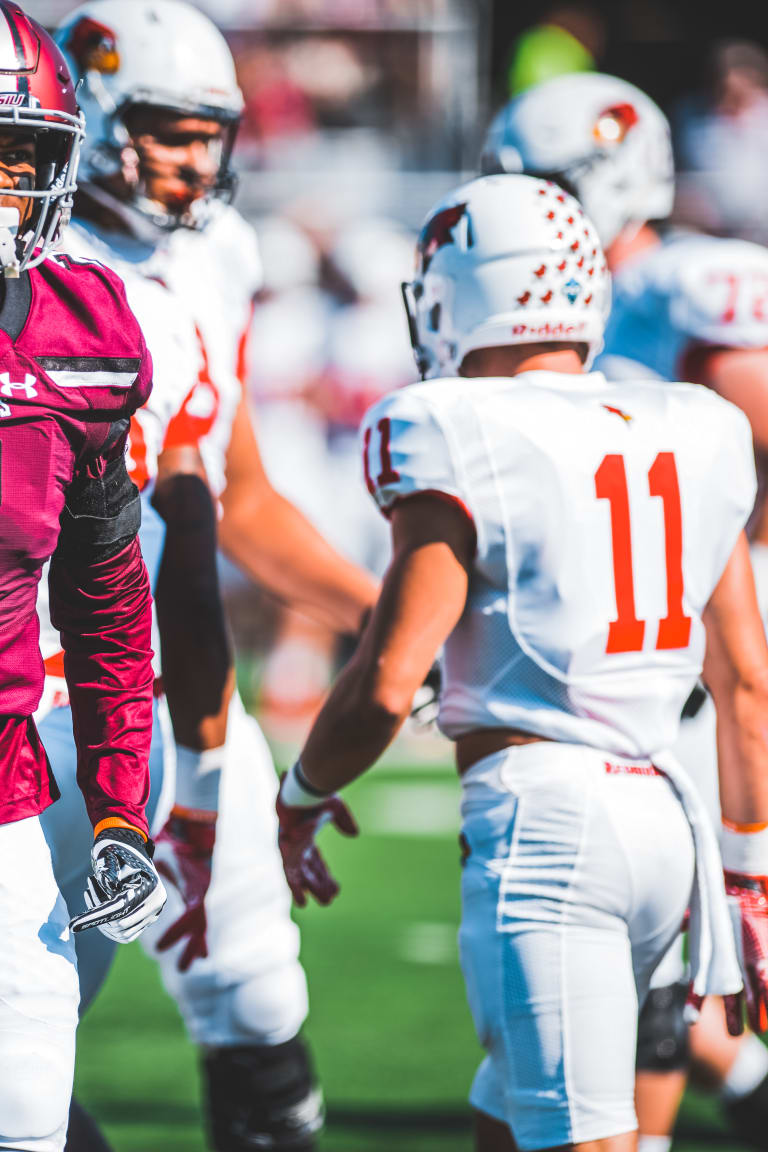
x=73 y=368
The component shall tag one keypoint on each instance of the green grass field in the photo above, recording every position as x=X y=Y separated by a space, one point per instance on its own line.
x=391 y=1033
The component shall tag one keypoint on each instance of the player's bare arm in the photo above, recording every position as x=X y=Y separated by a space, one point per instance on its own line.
x=422 y=597
x=273 y=543
x=741 y=376
x=198 y=673
x=736 y=672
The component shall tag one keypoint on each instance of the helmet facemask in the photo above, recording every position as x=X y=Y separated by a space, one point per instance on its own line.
x=129 y=170
x=28 y=233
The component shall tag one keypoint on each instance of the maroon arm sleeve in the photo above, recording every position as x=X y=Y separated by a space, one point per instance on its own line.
x=101 y=604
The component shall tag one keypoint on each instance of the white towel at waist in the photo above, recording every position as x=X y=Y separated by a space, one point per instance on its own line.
x=715 y=967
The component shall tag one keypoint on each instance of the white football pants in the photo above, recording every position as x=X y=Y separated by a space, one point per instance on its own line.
x=38 y=994
x=576 y=883
x=251 y=988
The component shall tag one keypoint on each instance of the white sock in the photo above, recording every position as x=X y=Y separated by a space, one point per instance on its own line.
x=654 y=1143
x=749 y=1069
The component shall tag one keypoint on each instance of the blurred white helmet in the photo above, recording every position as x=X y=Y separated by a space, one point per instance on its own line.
x=599 y=137
x=158 y=53
x=505 y=260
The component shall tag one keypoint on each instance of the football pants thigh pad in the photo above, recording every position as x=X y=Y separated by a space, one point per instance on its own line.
x=262 y=1097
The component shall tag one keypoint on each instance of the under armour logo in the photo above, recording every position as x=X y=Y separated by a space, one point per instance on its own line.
x=7 y=386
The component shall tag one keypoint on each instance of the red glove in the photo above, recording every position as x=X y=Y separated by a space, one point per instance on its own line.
x=184 y=849
x=305 y=869
x=751 y=893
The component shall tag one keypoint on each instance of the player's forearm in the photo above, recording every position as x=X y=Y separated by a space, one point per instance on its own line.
x=353 y=729
x=273 y=543
x=103 y=611
x=197 y=664
x=742 y=741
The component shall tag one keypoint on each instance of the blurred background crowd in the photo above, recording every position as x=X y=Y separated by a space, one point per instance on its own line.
x=359 y=114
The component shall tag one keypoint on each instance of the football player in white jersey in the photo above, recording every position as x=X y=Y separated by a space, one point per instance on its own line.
x=522 y=490
x=685 y=306
x=162 y=107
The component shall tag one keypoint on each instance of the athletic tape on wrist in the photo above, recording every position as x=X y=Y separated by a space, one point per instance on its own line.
x=745 y=851
x=198 y=776
x=297 y=792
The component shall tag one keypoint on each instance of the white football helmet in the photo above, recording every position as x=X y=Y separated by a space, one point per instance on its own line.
x=598 y=137
x=158 y=53
x=505 y=260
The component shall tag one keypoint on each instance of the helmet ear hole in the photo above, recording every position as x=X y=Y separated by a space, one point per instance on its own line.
x=434 y=317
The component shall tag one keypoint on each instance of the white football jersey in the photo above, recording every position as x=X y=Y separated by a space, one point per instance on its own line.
x=603 y=525
x=176 y=365
x=688 y=291
x=214 y=275
x=170 y=335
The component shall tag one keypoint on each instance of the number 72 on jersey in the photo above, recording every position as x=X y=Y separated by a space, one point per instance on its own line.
x=626 y=633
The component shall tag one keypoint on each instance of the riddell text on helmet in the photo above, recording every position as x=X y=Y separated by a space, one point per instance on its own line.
x=548 y=329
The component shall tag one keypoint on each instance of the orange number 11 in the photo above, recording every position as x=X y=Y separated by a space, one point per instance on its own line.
x=626 y=632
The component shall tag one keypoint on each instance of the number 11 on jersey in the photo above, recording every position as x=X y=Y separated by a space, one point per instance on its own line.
x=626 y=632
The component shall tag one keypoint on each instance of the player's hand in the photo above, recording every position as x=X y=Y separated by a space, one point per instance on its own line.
x=426 y=702
x=183 y=855
x=124 y=892
x=305 y=869
x=748 y=895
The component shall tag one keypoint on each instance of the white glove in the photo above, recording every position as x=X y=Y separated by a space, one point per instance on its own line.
x=124 y=894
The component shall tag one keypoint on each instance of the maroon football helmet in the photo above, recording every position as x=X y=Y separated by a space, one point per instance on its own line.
x=37 y=98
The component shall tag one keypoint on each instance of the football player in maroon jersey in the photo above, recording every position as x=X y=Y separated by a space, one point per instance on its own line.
x=73 y=368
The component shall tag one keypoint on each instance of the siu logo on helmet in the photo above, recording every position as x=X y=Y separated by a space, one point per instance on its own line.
x=438 y=232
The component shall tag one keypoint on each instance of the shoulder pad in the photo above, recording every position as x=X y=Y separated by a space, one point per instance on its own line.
x=407 y=448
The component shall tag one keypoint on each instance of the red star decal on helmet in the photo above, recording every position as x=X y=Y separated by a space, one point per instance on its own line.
x=524 y=298
x=575 y=246
x=562 y=266
x=550 y=215
x=561 y=199
x=590 y=271
x=540 y=270
x=588 y=299
x=546 y=297
x=580 y=262
x=559 y=235
x=571 y=220
x=543 y=191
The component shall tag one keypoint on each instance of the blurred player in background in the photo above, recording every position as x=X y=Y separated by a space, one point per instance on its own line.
x=288 y=338
x=538 y=515
x=75 y=368
x=162 y=106
x=329 y=341
x=690 y=307
x=186 y=530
